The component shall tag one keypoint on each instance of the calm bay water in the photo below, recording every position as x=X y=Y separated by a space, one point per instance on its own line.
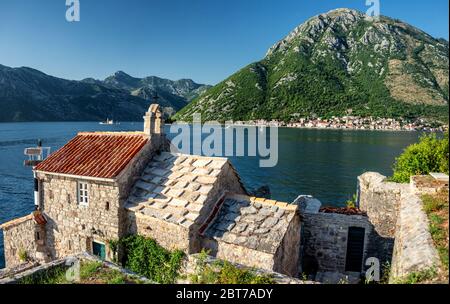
x=322 y=163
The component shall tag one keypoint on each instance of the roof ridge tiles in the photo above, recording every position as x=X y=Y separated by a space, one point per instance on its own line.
x=263 y=201
x=107 y=133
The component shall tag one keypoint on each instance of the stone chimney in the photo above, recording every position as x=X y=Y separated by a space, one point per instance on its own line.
x=153 y=121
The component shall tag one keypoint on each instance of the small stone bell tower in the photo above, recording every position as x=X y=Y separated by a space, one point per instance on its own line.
x=153 y=121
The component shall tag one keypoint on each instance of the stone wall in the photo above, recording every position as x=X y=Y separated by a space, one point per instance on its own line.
x=380 y=199
x=402 y=235
x=131 y=174
x=241 y=255
x=170 y=236
x=72 y=227
x=190 y=268
x=255 y=232
x=227 y=181
x=324 y=240
x=288 y=254
x=21 y=235
x=414 y=249
x=13 y=276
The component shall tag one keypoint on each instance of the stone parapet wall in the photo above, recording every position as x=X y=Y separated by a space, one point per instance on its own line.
x=190 y=268
x=132 y=172
x=168 y=235
x=324 y=240
x=227 y=181
x=13 y=276
x=414 y=249
x=380 y=199
x=241 y=255
x=11 y=271
x=402 y=232
x=288 y=254
x=20 y=236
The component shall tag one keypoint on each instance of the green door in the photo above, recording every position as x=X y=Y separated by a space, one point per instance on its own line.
x=98 y=249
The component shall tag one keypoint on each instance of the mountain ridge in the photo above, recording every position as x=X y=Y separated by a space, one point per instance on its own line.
x=334 y=64
x=27 y=94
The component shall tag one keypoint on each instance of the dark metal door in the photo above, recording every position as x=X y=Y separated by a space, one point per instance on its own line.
x=355 y=249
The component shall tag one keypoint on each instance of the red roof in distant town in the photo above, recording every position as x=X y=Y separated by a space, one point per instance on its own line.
x=95 y=154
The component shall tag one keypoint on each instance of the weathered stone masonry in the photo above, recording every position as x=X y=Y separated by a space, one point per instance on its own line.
x=255 y=232
x=188 y=202
x=380 y=199
x=175 y=195
x=402 y=228
x=23 y=235
x=109 y=173
x=325 y=237
x=72 y=227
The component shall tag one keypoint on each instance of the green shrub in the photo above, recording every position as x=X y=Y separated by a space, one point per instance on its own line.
x=418 y=277
x=55 y=275
x=88 y=269
x=145 y=257
x=23 y=255
x=223 y=272
x=430 y=154
x=351 y=203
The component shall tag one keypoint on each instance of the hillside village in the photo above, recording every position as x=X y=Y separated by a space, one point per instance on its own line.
x=103 y=186
x=354 y=123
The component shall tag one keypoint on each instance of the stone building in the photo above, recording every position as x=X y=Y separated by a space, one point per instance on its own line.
x=82 y=190
x=24 y=239
x=175 y=195
x=256 y=232
x=102 y=186
x=334 y=241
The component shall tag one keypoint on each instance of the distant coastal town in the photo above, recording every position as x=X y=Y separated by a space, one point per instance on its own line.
x=353 y=123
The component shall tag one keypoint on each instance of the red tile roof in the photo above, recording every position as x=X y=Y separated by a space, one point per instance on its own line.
x=96 y=154
x=39 y=218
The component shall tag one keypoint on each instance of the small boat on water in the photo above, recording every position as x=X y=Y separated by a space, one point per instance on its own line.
x=109 y=122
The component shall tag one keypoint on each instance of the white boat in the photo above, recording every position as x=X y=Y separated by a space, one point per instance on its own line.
x=108 y=122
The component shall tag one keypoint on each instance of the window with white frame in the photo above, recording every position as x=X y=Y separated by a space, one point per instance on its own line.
x=83 y=193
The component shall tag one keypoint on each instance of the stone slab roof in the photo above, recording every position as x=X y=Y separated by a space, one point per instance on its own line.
x=95 y=154
x=255 y=223
x=174 y=187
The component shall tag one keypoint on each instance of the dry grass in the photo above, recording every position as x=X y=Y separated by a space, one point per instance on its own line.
x=436 y=207
x=404 y=88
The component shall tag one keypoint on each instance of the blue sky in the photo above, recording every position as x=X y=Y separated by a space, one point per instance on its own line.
x=206 y=40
